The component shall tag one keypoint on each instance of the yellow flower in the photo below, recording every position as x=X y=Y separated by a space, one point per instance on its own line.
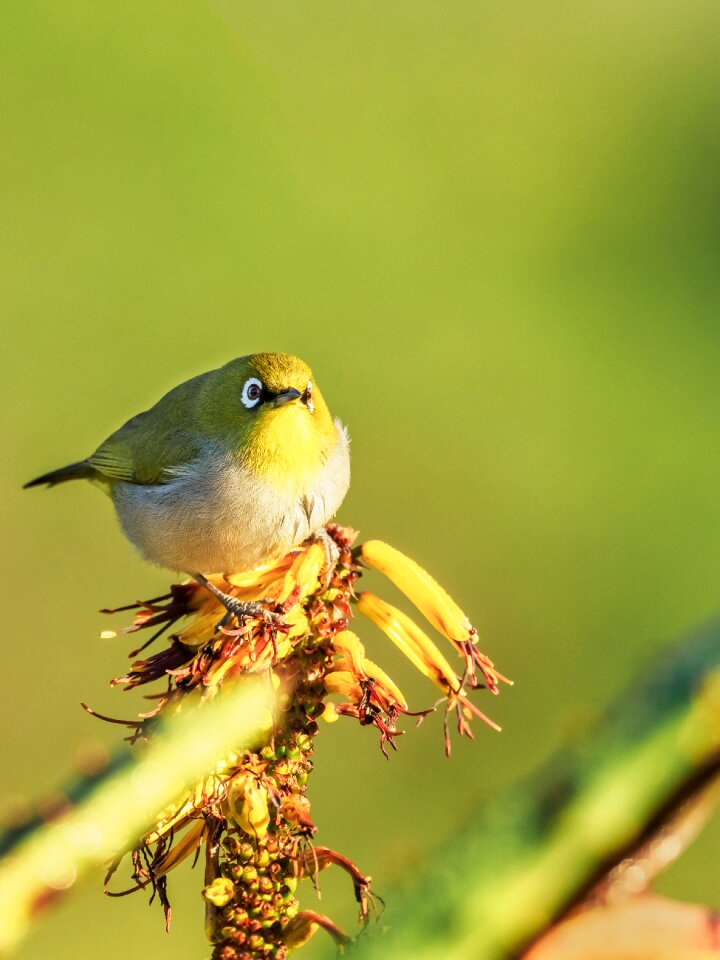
x=435 y=604
x=411 y=640
x=423 y=653
x=351 y=657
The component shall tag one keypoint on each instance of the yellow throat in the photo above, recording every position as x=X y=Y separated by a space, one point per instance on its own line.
x=288 y=446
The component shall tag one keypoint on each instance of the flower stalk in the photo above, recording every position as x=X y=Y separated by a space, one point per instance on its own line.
x=250 y=812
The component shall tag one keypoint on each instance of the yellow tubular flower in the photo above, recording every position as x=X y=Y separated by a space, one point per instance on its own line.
x=349 y=650
x=417 y=585
x=343 y=682
x=352 y=667
x=260 y=577
x=377 y=674
x=303 y=575
x=435 y=604
x=410 y=639
x=421 y=651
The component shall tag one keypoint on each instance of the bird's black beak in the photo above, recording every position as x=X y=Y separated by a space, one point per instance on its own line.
x=285 y=396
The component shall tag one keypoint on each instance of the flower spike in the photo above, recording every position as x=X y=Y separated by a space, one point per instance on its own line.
x=250 y=811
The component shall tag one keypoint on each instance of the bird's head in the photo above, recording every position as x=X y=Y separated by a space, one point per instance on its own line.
x=272 y=414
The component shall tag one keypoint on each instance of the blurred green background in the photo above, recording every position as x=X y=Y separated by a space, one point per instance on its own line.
x=492 y=228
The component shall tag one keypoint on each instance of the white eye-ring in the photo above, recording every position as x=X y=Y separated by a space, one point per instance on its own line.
x=252 y=392
x=308 y=397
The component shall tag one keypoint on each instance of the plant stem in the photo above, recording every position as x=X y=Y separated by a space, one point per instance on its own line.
x=115 y=808
x=533 y=852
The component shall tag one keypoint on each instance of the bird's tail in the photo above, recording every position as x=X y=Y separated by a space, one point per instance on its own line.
x=74 y=471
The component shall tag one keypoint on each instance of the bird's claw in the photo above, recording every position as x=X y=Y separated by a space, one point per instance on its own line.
x=243 y=610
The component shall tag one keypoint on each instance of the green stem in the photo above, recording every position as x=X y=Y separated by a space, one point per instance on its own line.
x=534 y=851
x=119 y=806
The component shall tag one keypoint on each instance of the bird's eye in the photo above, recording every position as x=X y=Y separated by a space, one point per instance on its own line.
x=252 y=392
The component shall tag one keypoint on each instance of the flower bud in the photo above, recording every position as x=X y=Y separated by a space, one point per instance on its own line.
x=220 y=892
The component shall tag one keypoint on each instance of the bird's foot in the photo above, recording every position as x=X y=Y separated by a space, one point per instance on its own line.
x=243 y=610
x=332 y=555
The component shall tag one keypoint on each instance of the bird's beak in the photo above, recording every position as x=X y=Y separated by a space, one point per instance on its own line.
x=285 y=396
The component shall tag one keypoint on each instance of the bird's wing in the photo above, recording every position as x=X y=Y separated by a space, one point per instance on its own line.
x=145 y=450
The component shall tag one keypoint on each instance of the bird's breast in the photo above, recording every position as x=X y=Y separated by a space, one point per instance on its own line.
x=220 y=514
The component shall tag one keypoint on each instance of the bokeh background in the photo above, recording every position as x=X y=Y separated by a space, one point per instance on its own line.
x=492 y=228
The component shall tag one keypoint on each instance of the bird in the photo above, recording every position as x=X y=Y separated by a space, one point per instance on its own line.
x=229 y=470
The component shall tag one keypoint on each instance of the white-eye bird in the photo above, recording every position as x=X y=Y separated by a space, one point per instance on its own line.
x=227 y=471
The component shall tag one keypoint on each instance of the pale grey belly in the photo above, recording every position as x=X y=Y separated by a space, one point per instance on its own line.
x=215 y=517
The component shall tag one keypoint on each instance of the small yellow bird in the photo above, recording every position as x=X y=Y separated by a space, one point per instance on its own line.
x=228 y=470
